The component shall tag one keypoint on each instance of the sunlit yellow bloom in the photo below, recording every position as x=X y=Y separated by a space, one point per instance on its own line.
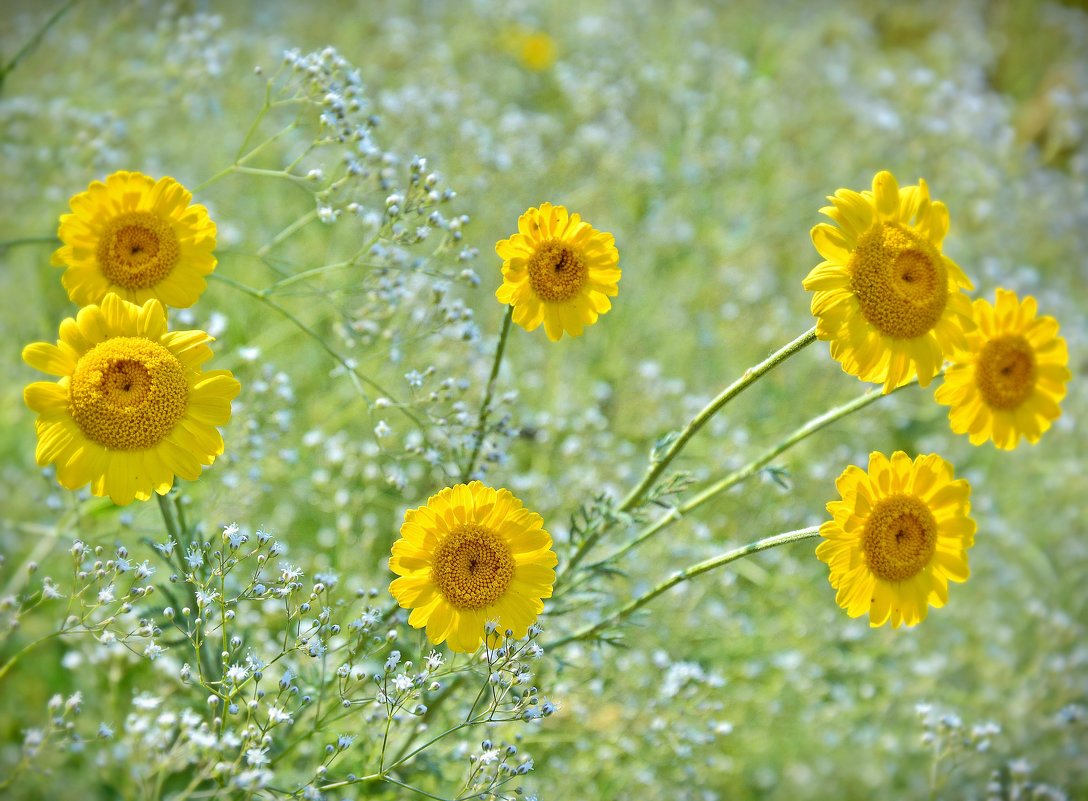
x=138 y=238
x=132 y=408
x=557 y=270
x=897 y=537
x=888 y=300
x=473 y=554
x=535 y=50
x=1008 y=382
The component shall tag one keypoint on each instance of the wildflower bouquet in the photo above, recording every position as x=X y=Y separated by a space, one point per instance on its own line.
x=391 y=539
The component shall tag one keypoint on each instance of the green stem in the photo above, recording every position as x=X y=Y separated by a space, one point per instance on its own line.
x=352 y=371
x=751 y=375
x=169 y=518
x=753 y=467
x=27 y=649
x=485 y=407
x=306 y=274
x=28 y=240
x=179 y=534
x=256 y=121
x=287 y=232
x=314 y=271
x=689 y=573
x=33 y=41
x=416 y=790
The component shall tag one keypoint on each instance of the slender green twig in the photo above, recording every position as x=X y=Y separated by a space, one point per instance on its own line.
x=343 y=362
x=306 y=275
x=27 y=649
x=752 y=468
x=684 y=575
x=416 y=790
x=703 y=417
x=287 y=232
x=485 y=406
x=28 y=240
x=657 y=467
x=179 y=533
x=33 y=41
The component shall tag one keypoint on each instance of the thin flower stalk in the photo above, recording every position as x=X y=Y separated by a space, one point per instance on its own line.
x=751 y=375
x=752 y=468
x=485 y=405
x=686 y=574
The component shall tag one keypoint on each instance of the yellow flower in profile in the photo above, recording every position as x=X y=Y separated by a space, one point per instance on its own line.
x=1008 y=382
x=138 y=238
x=897 y=537
x=473 y=554
x=557 y=270
x=132 y=408
x=890 y=302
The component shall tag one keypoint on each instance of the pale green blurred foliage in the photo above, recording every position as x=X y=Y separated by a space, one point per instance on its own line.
x=704 y=137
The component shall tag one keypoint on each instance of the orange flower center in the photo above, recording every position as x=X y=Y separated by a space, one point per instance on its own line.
x=472 y=567
x=900 y=537
x=127 y=393
x=899 y=279
x=137 y=249
x=557 y=271
x=1005 y=371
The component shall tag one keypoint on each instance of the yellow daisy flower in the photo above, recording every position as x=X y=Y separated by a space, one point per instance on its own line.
x=535 y=50
x=1008 y=382
x=888 y=300
x=132 y=408
x=557 y=270
x=897 y=537
x=471 y=555
x=138 y=238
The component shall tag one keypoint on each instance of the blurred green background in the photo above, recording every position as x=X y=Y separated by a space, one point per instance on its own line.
x=704 y=137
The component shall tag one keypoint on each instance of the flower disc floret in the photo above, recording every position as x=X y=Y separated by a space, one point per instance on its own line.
x=890 y=303
x=137 y=238
x=137 y=250
x=131 y=408
x=897 y=537
x=471 y=555
x=900 y=281
x=1009 y=379
x=557 y=270
x=472 y=567
x=1005 y=372
x=126 y=393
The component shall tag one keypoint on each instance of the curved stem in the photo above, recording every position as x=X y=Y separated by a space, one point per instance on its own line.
x=689 y=573
x=485 y=407
x=347 y=365
x=287 y=232
x=28 y=240
x=753 y=467
x=306 y=275
x=30 y=646
x=751 y=375
x=32 y=42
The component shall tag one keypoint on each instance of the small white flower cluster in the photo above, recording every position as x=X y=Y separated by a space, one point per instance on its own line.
x=494 y=770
